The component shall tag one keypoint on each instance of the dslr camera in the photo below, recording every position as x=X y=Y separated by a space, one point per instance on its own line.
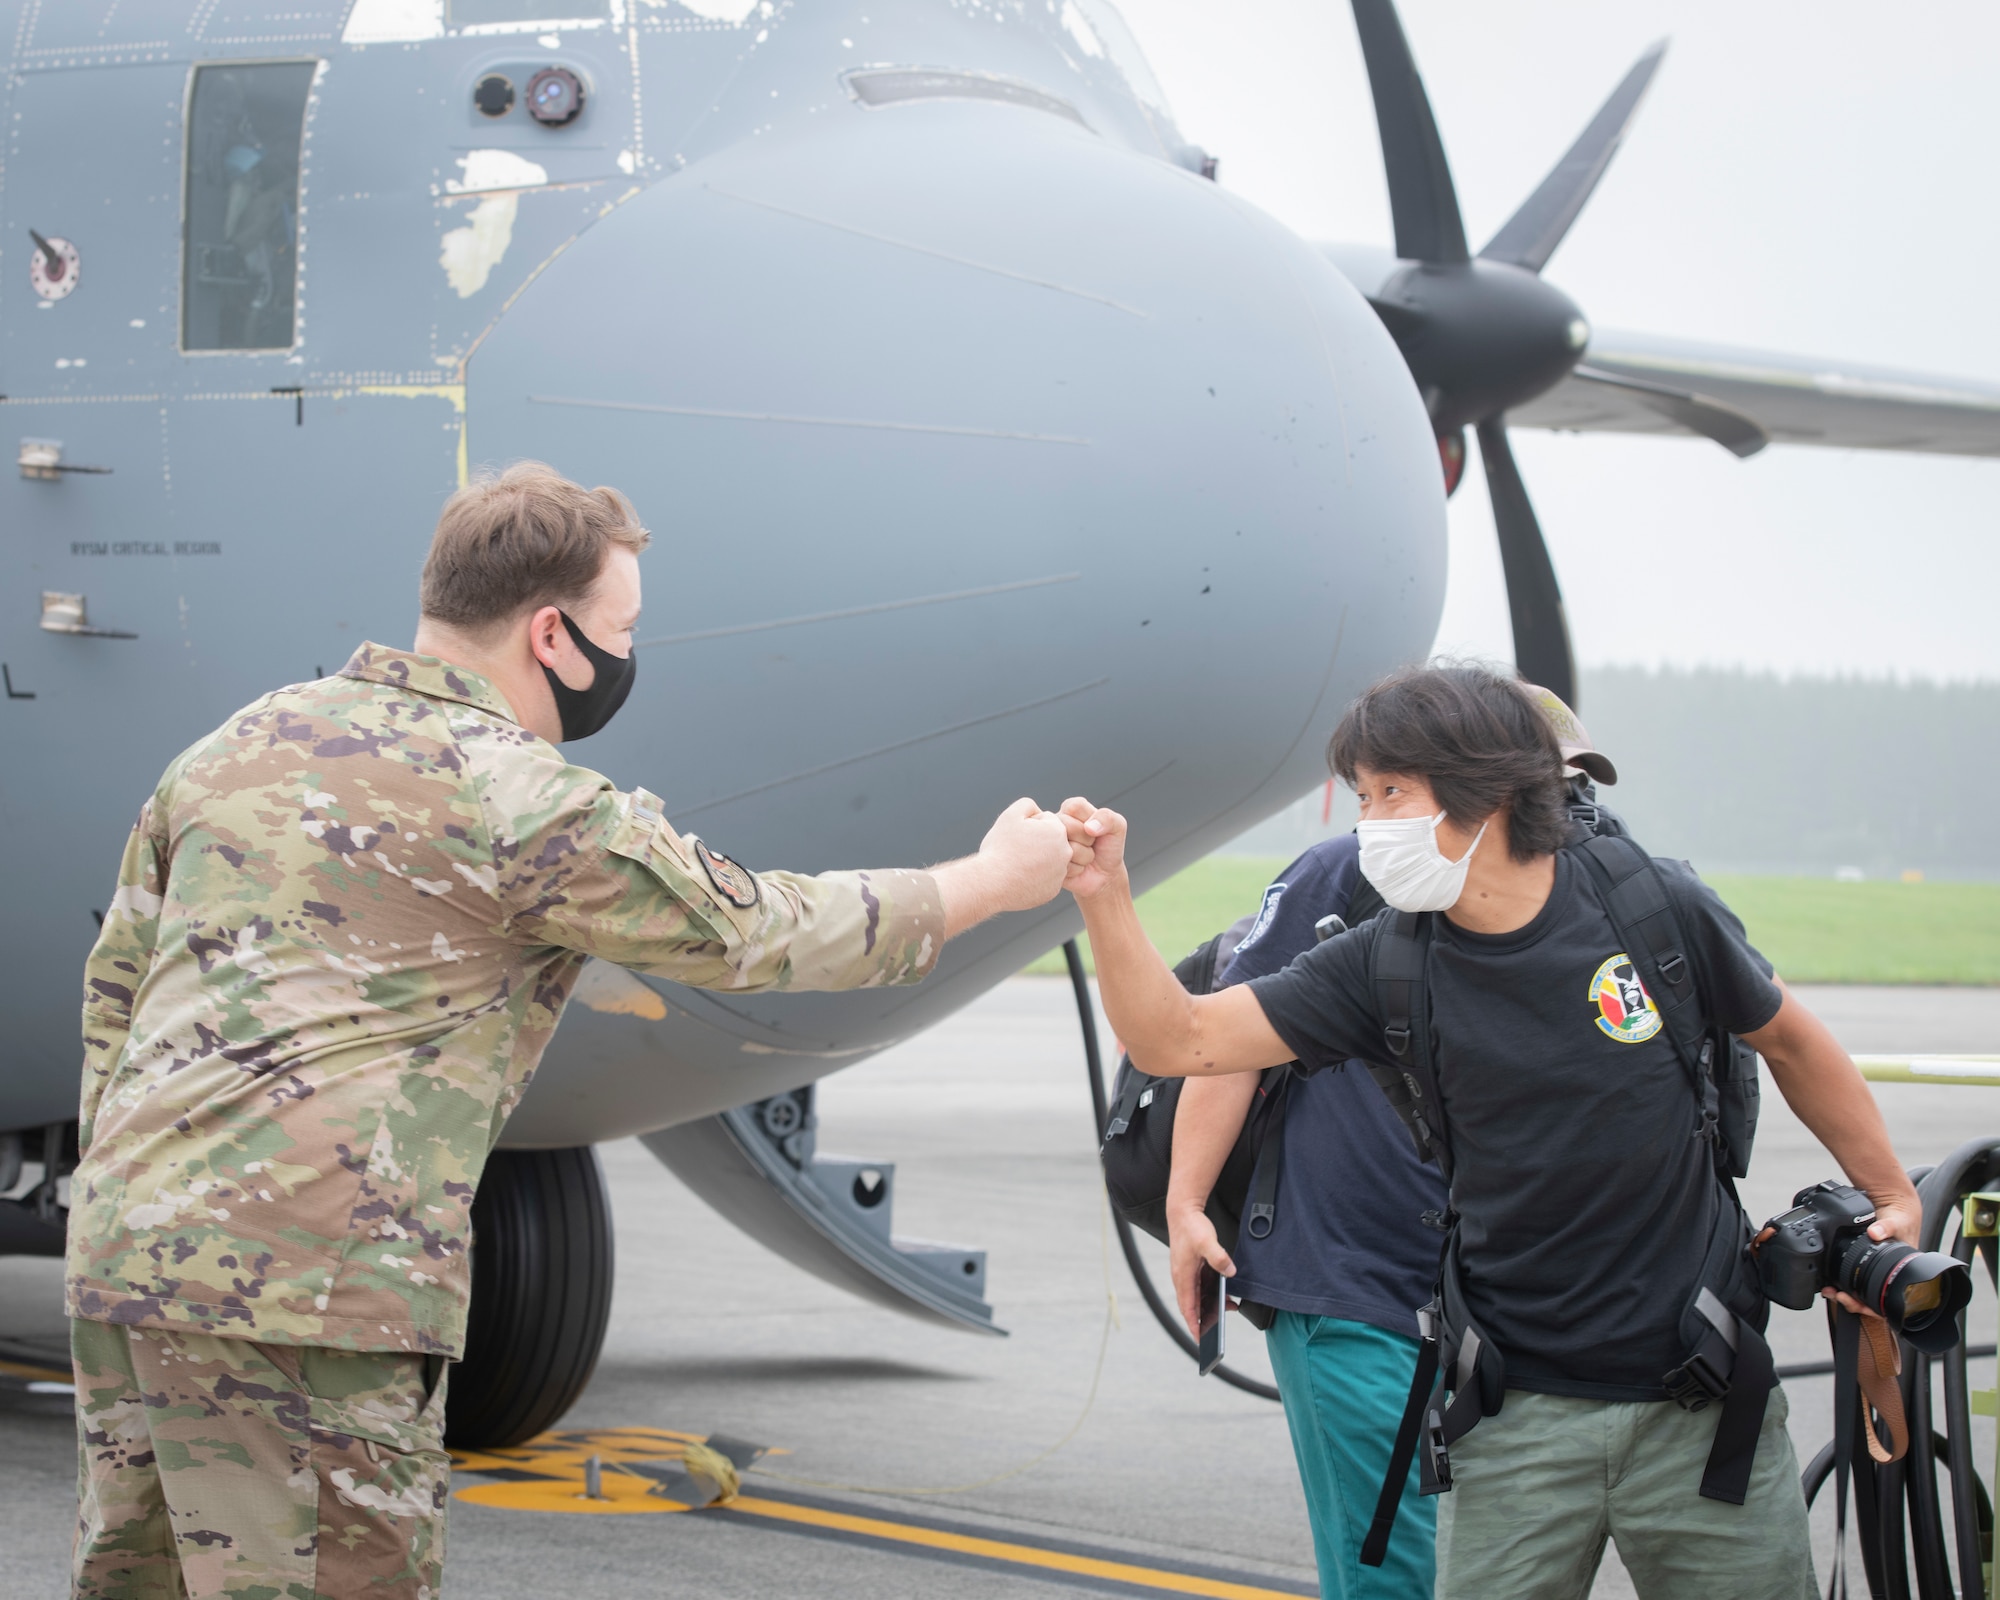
x=1822 y=1242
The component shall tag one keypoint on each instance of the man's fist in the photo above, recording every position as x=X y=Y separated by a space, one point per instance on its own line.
x=1027 y=855
x=1096 y=837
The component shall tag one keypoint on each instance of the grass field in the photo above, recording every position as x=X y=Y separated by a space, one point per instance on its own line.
x=1813 y=929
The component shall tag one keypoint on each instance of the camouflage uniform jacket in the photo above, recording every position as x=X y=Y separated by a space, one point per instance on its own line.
x=345 y=927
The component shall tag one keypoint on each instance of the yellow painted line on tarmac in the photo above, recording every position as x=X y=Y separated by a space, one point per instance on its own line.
x=20 y=1369
x=619 y=1496
x=548 y=1474
x=1973 y=1071
x=1024 y=1555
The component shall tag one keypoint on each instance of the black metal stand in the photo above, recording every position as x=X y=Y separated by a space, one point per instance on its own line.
x=1904 y=1528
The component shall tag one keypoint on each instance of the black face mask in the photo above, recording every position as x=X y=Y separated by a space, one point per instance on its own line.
x=584 y=711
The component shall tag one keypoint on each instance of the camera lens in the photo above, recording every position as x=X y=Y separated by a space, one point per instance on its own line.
x=1919 y=1292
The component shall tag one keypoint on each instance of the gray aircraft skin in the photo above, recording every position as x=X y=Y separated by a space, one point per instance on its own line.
x=988 y=452
x=989 y=447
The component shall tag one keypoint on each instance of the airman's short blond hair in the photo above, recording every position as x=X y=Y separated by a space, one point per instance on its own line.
x=519 y=539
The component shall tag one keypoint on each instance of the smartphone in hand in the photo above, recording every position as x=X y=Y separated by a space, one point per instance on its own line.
x=1213 y=1290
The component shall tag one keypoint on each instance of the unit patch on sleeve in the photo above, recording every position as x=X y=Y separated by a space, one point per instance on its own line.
x=736 y=884
x=1624 y=1009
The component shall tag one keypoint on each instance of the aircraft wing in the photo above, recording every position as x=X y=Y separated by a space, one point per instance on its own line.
x=1744 y=399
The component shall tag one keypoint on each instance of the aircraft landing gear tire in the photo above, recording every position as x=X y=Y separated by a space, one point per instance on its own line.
x=541 y=1296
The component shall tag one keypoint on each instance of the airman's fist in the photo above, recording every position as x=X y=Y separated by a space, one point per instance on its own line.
x=1027 y=854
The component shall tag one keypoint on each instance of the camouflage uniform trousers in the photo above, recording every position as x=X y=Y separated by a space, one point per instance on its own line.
x=218 y=1467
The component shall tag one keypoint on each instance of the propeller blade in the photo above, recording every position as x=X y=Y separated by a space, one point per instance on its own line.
x=1737 y=432
x=1530 y=236
x=1534 y=602
x=1421 y=197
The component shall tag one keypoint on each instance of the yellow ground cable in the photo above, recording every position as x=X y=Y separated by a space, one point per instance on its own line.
x=1096 y=1376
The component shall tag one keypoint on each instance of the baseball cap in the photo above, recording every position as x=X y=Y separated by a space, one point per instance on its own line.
x=1579 y=754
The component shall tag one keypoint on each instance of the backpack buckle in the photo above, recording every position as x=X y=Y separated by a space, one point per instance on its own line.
x=1398 y=1040
x=1437 y=1453
x=1258 y=1223
x=1694 y=1383
x=1435 y=1219
x=1673 y=967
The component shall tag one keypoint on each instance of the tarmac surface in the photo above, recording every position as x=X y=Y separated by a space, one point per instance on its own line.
x=1045 y=1472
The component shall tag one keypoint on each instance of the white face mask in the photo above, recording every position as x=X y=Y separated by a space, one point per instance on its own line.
x=1401 y=858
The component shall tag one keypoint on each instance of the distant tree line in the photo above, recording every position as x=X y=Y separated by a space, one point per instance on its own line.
x=1750 y=772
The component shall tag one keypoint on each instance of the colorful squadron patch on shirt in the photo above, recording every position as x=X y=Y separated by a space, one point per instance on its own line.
x=1624 y=1009
x=736 y=884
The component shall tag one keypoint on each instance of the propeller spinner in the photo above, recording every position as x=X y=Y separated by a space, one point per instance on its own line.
x=1483 y=333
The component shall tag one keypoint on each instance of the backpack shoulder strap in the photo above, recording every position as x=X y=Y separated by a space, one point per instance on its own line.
x=1260 y=1211
x=1408 y=1078
x=1641 y=910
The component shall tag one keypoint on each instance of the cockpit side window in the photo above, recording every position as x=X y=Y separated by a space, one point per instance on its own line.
x=240 y=235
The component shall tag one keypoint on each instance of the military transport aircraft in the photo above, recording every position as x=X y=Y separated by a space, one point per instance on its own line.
x=991 y=449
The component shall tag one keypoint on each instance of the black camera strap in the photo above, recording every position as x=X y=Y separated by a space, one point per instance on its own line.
x=1846 y=1412
x=1861 y=1386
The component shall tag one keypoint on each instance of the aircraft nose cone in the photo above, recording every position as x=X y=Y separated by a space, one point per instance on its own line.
x=1482 y=336
x=984 y=458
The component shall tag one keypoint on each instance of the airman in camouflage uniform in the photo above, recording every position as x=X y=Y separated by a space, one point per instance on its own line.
x=345 y=927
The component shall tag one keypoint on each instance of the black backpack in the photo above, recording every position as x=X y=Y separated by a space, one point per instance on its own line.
x=1727 y=1359
x=1138 y=1139
x=1138 y=1142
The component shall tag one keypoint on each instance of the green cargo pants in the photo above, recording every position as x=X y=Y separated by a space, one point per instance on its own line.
x=218 y=1467
x=1542 y=1485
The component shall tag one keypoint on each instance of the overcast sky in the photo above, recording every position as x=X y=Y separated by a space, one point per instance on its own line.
x=1811 y=177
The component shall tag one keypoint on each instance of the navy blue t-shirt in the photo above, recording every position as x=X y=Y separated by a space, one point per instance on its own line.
x=1347 y=1241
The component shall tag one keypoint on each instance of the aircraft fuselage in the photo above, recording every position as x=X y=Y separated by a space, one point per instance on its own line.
x=988 y=448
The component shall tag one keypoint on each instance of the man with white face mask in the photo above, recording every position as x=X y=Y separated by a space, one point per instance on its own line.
x=1587 y=1217
x=1351 y=1250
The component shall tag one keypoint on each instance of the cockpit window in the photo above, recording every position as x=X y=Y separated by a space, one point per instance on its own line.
x=240 y=268
x=1099 y=24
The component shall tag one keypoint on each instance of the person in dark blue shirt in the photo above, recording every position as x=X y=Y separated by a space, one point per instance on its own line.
x=1350 y=1255
x=1345 y=1265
